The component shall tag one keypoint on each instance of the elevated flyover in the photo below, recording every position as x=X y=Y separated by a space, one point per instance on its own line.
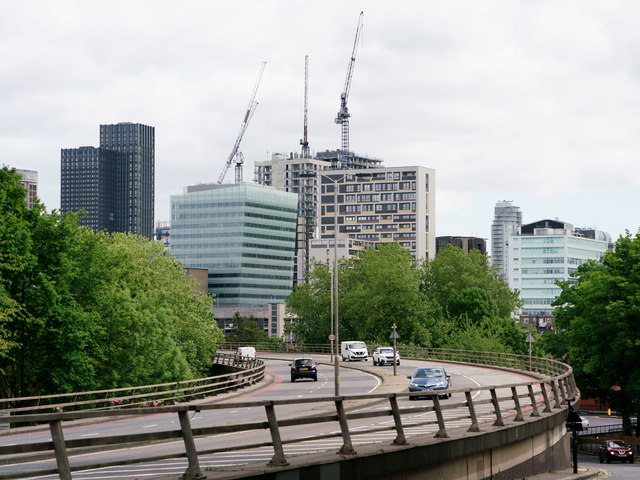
x=493 y=431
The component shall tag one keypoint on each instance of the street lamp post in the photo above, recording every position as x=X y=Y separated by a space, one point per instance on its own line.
x=25 y=287
x=335 y=179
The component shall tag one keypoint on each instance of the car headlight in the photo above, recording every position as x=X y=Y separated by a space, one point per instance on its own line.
x=413 y=384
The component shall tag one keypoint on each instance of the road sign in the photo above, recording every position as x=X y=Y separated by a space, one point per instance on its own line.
x=394 y=334
x=332 y=337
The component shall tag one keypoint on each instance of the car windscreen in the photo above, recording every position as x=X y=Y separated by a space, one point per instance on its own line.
x=428 y=372
x=386 y=350
x=353 y=345
x=304 y=362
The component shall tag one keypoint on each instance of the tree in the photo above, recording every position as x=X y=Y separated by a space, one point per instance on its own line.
x=246 y=330
x=381 y=288
x=107 y=311
x=599 y=309
x=474 y=304
x=377 y=289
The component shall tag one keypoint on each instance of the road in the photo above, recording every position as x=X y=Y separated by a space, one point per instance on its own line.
x=352 y=382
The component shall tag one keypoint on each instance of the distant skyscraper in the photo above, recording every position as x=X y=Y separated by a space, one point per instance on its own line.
x=29 y=181
x=506 y=222
x=114 y=183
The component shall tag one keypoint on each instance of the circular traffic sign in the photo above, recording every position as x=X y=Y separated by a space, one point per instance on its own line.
x=332 y=337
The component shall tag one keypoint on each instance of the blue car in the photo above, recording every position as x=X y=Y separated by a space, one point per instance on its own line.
x=430 y=380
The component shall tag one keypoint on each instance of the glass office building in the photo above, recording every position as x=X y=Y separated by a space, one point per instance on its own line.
x=546 y=252
x=244 y=234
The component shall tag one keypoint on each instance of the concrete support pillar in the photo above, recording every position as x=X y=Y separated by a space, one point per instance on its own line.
x=496 y=405
x=395 y=411
x=278 y=451
x=472 y=413
x=347 y=446
x=193 y=469
x=534 y=405
x=60 y=449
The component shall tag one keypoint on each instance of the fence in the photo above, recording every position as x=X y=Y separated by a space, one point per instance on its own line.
x=247 y=371
x=554 y=386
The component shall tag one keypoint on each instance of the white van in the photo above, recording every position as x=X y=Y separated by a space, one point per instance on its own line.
x=246 y=352
x=354 y=350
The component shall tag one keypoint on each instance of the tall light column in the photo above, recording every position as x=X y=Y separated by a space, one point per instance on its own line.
x=336 y=364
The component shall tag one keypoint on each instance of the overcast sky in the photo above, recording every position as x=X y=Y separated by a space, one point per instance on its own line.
x=537 y=102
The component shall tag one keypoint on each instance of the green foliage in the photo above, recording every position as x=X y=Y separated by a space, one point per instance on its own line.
x=599 y=311
x=107 y=311
x=246 y=330
x=474 y=304
x=454 y=301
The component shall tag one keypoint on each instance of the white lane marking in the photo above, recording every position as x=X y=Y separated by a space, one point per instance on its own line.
x=90 y=434
x=149 y=426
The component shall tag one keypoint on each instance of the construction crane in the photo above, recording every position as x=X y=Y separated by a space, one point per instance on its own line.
x=343 y=114
x=306 y=153
x=236 y=154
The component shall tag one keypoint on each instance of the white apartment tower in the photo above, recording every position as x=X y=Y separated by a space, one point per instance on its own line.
x=506 y=222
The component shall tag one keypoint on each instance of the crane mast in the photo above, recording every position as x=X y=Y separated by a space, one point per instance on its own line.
x=236 y=154
x=306 y=153
x=343 y=114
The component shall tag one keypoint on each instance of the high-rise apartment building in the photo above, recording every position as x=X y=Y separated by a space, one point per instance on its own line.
x=394 y=204
x=506 y=222
x=114 y=183
x=287 y=173
x=244 y=234
x=29 y=180
x=545 y=252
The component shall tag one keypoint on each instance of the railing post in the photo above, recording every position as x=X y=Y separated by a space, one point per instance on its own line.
x=563 y=390
x=534 y=405
x=519 y=417
x=64 y=472
x=278 y=451
x=347 y=446
x=475 y=427
x=442 y=432
x=545 y=396
x=496 y=405
x=400 y=438
x=193 y=469
x=556 y=396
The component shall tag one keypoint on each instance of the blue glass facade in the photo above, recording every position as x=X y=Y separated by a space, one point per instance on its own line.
x=243 y=234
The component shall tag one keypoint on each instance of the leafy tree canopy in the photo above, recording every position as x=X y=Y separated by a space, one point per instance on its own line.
x=454 y=301
x=599 y=311
x=91 y=311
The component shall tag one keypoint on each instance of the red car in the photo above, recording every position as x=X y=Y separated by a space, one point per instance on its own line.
x=615 y=450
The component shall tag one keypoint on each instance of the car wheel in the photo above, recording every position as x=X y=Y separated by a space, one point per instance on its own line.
x=631 y=460
x=293 y=379
x=315 y=378
x=398 y=362
x=374 y=362
x=412 y=398
x=608 y=460
x=600 y=458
